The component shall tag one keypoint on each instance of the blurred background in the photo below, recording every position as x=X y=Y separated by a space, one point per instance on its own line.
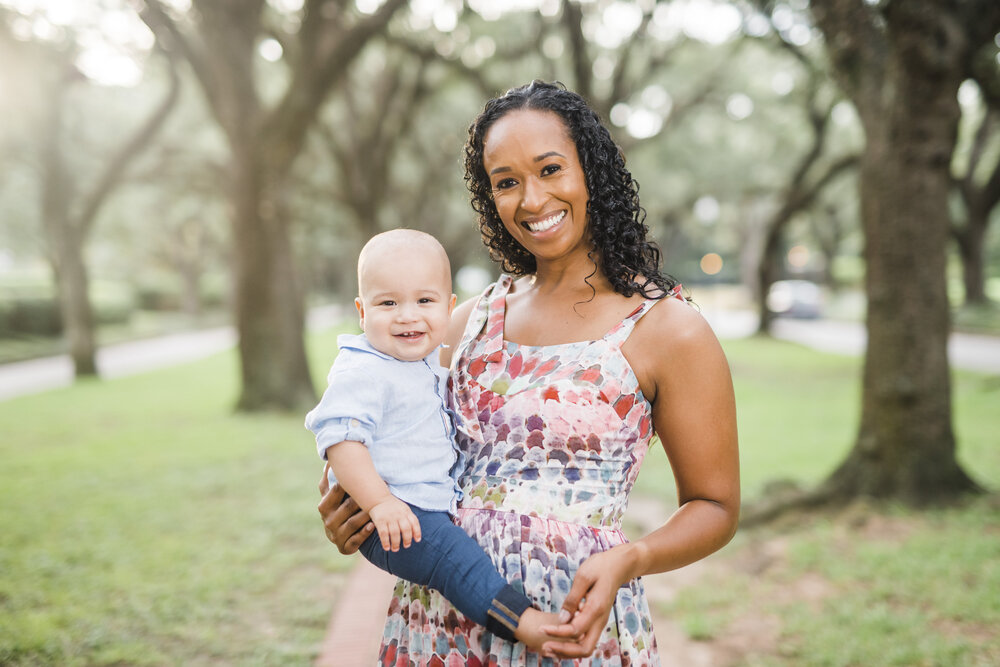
x=817 y=171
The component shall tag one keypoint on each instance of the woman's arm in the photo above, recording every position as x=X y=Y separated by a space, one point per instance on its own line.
x=680 y=363
x=346 y=525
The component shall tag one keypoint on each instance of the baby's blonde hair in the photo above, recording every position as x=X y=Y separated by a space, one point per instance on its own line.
x=394 y=240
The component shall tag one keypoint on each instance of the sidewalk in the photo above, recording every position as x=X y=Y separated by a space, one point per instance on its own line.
x=974 y=352
x=352 y=638
x=38 y=375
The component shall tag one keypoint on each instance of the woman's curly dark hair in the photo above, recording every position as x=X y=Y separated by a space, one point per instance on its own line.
x=617 y=221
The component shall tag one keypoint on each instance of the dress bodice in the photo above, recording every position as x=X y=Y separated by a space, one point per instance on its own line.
x=556 y=431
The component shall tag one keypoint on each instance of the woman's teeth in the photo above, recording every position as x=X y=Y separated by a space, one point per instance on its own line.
x=546 y=223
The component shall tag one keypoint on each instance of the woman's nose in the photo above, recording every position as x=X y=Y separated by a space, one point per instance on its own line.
x=533 y=194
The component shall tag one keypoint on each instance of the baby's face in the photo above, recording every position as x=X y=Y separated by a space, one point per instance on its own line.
x=405 y=303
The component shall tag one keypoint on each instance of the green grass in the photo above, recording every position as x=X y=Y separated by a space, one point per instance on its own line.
x=143 y=523
x=870 y=585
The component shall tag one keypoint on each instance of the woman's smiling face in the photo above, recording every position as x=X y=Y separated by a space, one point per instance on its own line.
x=538 y=184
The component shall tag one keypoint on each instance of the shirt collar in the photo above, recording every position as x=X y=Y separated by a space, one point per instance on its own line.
x=360 y=343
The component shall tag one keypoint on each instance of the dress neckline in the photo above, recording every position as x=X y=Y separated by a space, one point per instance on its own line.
x=498 y=309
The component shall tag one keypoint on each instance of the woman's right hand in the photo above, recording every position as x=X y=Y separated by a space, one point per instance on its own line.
x=345 y=524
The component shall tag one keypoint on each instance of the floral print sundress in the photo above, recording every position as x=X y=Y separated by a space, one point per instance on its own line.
x=553 y=437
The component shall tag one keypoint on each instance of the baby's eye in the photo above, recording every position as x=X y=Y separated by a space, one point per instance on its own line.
x=387 y=302
x=550 y=169
x=426 y=299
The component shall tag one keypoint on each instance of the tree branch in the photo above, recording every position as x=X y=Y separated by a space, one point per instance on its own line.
x=856 y=44
x=582 y=67
x=321 y=67
x=475 y=75
x=131 y=149
x=166 y=31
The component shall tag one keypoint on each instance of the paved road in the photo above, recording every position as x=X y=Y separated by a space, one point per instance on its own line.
x=37 y=375
x=968 y=351
x=979 y=353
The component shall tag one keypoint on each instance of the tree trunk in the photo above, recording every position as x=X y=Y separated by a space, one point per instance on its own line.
x=269 y=304
x=72 y=284
x=970 y=248
x=67 y=215
x=64 y=238
x=767 y=273
x=905 y=447
x=828 y=234
x=264 y=141
x=979 y=196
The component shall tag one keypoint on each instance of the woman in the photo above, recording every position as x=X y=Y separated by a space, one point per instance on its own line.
x=561 y=373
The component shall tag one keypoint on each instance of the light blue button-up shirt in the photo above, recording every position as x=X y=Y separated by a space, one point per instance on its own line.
x=397 y=409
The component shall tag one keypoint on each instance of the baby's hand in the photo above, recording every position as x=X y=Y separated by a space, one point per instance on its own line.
x=395 y=523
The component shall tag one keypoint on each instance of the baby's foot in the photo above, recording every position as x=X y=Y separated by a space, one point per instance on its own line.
x=529 y=627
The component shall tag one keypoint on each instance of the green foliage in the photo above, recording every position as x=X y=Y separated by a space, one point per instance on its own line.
x=34 y=315
x=113 y=303
x=162 y=291
x=30 y=307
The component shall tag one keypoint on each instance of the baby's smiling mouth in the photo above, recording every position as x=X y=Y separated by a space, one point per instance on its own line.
x=546 y=223
x=410 y=334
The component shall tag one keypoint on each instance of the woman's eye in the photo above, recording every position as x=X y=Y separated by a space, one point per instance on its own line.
x=505 y=184
x=550 y=169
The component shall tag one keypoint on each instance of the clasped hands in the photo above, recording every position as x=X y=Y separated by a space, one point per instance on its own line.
x=585 y=609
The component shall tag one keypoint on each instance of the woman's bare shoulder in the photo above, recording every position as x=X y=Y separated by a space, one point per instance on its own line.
x=671 y=333
x=459 y=318
x=679 y=320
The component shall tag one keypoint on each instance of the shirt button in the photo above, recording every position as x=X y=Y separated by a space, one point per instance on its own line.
x=355 y=423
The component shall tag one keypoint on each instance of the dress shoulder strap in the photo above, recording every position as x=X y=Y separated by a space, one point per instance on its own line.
x=487 y=311
x=621 y=331
x=496 y=310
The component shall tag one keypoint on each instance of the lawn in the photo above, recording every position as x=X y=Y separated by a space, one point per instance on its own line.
x=144 y=523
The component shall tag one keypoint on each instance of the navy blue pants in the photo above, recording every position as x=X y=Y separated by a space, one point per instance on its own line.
x=452 y=563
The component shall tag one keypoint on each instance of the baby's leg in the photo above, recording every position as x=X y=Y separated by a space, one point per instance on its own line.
x=449 y=561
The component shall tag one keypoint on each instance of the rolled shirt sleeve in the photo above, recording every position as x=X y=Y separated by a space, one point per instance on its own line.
x=351 y=407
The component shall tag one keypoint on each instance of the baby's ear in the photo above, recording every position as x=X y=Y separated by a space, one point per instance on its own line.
x=359 y=304
x=451 y=304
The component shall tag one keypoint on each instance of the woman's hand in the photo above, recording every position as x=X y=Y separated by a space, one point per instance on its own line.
x=595 y=587
x=345 y=524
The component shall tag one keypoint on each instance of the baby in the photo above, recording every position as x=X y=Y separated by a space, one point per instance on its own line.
x=383 y=427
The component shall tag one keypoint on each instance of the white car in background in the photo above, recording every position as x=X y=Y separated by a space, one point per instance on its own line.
x=795 y=298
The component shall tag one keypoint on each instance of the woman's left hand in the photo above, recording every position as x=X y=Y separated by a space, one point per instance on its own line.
x=588 y=604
